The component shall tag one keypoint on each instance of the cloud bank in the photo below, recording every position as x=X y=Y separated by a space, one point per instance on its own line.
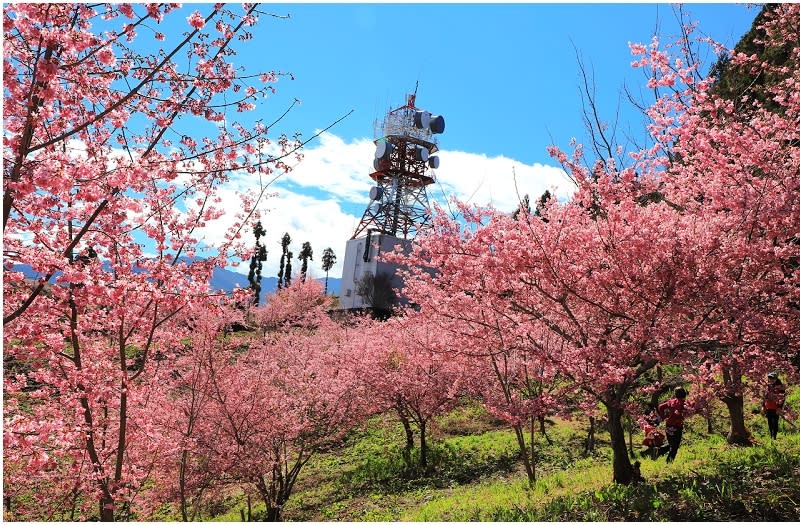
x=324 y=196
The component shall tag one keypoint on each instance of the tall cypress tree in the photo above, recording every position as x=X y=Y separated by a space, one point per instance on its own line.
x=287 y=277
x=285 y=241
x=305 y=254
x=259 y=256
x=328 y=260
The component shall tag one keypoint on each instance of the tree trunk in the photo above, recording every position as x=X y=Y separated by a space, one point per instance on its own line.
x=738 y=433
x=734 y=400
x=623 y=469
x=523 y=454
x=543 y=430
x=533 y=449
x=423 y=446
x=409 y=435
x=629 y=422
x=273 y=514
x=106 y=509
x=182 y=485
x=590 y=441
x=654 y=397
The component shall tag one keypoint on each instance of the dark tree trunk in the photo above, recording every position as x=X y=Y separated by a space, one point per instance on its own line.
x=519 y=431
x=734 y=400
x=533 y=450
x=737 y=433
x=629 y=422
x=623 y=469
x=106 y=509
x=590 y=439
x=543 y=430
x=654 y=397
x=423 y=446
x=409 y=431
x=273 y=514
x=182 y=485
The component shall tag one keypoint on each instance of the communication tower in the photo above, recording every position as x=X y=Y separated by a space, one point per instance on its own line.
x=398 y=209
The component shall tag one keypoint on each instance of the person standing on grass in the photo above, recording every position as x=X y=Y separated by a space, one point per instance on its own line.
x=774 y=397
x=673 y=412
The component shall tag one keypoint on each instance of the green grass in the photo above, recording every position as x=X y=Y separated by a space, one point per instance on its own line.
x=475 y=475
x=728 y=484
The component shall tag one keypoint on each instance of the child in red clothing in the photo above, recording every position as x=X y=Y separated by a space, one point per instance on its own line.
x=653 y=437
x=673 y=412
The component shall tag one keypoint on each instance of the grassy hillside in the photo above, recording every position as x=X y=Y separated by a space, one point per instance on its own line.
x=475 y=475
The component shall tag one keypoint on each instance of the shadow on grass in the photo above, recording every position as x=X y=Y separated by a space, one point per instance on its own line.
x=758 y=485
x=448 y=465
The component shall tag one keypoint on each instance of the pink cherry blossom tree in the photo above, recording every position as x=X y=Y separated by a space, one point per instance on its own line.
x=103 y=156
x=407 y=368
x=626 y=281
x=277 y=400
x=599 y=317
x=736 y=167
x=466 y=300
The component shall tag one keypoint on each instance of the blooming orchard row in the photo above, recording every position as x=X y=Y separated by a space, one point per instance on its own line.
x=690 y=256
x=127 y=397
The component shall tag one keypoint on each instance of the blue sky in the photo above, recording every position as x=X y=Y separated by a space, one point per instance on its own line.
x=505 y=77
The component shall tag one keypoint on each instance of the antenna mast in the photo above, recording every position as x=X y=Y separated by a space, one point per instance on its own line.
x=403 y=167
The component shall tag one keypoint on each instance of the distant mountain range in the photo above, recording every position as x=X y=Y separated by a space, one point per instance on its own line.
x=221 y=279
x=227 y=280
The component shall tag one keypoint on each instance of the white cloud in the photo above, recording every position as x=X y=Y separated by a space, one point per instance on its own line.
x=321 y=222
x=336 y=167
x=497 y=181
x=323 y=198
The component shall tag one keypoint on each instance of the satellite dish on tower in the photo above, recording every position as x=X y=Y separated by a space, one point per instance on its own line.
x=375 y=193
x=382 y=150
x=422 y=119
x=433 y=162
x=421 y=153
x=437 y=124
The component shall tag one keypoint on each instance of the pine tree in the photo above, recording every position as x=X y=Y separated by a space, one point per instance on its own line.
x=525 y=204
x=305 y=254
x=259 y=256
x=328 y=260
x=287 y=276
x=285 y=241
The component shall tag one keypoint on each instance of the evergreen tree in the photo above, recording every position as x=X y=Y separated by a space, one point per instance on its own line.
x=285 y=241
x=259 y=256
x=541 y=203
x=287 y=276
x=745 y=85
x=305 y=254
x=328 y=260
x=525 y=204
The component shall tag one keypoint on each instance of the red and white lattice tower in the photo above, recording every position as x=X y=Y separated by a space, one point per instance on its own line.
x=398 y=209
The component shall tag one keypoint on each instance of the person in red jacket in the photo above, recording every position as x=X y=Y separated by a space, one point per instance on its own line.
x=774 y=397
x=673 y=412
